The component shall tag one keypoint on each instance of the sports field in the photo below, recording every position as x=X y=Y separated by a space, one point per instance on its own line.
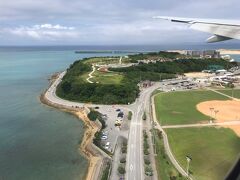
x=235 y=92
x=180 y=107
x=213 y=151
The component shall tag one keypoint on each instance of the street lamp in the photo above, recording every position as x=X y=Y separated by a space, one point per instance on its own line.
x=188 y=164
x=211 y=109
x=216 y=111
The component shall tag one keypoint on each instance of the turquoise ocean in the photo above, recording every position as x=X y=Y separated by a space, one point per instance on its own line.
x=38 y=142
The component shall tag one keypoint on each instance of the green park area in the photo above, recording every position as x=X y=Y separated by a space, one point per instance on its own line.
x=180 y=107
x=120 y=86
x=106 y=60
x=107 y=77
x=213 y=150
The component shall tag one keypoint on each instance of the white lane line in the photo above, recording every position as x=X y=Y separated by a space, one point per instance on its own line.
x=131 y=167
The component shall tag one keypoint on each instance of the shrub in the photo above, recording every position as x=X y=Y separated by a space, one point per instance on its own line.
x=129 y=115
x=121 y=169
x=147 y=161
x=93 y=115
x=123 y=160
x=148 y=171
x=146 y=152
x=144 y=117
x=124 y=149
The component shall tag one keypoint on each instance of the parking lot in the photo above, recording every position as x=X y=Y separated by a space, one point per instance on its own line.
x=117 y=125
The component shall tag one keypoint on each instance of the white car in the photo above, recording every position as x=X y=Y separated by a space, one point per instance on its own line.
x=104 y=137
x=105 y=133
x=107 y=145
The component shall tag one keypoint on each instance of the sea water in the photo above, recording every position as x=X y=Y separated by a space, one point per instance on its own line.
x=36 y=142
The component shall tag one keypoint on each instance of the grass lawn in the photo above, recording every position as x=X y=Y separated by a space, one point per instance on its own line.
x=236 y=92
x=164 y=166
x=213 y=151
x=180 y=107
x=107 y=77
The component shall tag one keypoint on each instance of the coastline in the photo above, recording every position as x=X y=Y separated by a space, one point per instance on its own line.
x=229 y=51
x=86 y=148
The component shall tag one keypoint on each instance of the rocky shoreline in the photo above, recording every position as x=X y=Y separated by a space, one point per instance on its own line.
x=86 y=148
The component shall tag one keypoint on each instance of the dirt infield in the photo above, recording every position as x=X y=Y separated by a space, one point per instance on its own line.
x=222 y=111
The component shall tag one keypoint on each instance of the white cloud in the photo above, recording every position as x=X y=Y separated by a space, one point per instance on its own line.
x=43 y=32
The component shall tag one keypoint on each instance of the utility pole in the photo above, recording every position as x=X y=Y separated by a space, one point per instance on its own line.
x=216 y=111
x=211 y=109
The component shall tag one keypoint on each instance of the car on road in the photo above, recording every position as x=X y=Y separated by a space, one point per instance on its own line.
x=118 y=110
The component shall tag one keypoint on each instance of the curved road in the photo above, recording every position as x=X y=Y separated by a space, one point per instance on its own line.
x=135 y=164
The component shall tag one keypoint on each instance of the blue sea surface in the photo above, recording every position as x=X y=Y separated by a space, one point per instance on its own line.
x=36 y=142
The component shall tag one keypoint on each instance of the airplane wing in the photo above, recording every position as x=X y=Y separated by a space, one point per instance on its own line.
x=221 y=29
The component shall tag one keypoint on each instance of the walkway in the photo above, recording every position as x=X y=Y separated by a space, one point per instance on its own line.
x=90 y=74
x=227 y=123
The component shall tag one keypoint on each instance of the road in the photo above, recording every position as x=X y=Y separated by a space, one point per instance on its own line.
x=134 y=167
x=135 y=164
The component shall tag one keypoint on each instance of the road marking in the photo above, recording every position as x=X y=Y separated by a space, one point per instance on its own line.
x=131 y=167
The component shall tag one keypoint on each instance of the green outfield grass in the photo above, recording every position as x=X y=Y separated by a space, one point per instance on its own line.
x=230 y=92
x=213 y=151
x=107 y=77
x=180 y=107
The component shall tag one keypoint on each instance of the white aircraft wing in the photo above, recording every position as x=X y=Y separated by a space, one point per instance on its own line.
x=221 y=29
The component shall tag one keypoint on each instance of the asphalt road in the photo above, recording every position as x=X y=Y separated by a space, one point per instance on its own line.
x=135 y=164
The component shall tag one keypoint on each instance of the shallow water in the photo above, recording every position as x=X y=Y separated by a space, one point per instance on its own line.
x=36 y=142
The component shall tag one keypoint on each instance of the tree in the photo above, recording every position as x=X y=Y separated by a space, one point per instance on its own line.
x=129 y=115
x=144 y=117
x=93 y=115
x=121 y=169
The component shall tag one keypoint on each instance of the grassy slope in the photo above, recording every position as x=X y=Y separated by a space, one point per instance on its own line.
x=107 y=77
x=180 y=107
x=213 y=151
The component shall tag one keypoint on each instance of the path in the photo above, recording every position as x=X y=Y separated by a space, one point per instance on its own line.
x=227 y=123
x=90 y=74
x=166 y=143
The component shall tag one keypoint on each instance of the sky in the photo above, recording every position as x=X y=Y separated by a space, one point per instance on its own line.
x=106 y=22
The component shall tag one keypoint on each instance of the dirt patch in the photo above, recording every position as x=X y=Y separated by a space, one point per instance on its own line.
x=103 y=69
x=198 y=75
x=222 y=111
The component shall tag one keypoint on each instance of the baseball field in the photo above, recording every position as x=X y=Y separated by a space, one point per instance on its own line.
x=213 y=149
x=180 y=107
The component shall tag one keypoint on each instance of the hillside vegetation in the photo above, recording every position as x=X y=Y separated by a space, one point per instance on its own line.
x=120 y=86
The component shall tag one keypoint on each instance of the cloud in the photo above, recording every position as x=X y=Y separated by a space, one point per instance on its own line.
x=43 y=32
x=112 y=22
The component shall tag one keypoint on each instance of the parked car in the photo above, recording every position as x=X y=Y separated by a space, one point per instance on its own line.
x=107 y=145
x=104 y=137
